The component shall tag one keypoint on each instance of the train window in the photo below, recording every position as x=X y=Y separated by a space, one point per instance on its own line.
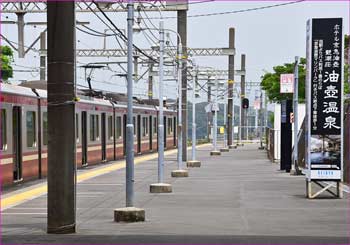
x=144 y=126
x=170 y=125
x=31 y=130
x=110 y=127
x=155 y=126
x=3 y=142
x=118 y=127
x=134 y=122
x=94 y=127
x=45 y=128
x=77 y=127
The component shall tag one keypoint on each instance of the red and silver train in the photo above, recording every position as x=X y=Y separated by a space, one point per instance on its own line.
x=100 y=131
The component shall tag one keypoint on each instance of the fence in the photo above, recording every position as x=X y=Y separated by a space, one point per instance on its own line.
x=347 y=142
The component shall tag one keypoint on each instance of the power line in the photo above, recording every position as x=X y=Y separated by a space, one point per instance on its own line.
x=234 y=12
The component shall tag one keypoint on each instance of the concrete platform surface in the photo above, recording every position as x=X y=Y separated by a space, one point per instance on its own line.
x=239 y=197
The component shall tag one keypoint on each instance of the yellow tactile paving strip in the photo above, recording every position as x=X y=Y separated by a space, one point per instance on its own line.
x=18 y=198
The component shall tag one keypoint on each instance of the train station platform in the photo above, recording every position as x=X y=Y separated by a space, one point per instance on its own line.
x=238 y=197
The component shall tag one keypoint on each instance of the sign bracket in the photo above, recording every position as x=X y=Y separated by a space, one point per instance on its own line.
x=325 y=187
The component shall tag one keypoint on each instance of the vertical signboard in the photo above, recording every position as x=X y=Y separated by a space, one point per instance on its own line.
x=324 y=99
x=287 y=83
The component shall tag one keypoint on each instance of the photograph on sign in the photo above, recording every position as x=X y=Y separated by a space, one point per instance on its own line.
x=287 y=83
x=325 y=152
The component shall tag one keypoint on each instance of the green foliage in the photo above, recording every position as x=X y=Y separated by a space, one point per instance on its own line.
x=271 y=82
x=6 y=59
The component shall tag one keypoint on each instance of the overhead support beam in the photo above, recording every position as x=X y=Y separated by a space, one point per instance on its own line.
x=152 y=53
x=40 y=6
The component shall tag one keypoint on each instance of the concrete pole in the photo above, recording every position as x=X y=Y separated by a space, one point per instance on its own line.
x=231 y=76
x=61 y=91
x=20 y=25
x=129 y=213
x=295 y=113
x=243 y=95
x=182 y=30
x=42 y=56
x=161 y=187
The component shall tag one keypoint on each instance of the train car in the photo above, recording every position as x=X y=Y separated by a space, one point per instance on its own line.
x=100 y=131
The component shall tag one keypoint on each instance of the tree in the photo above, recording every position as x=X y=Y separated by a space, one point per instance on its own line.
x=6 y=59
x=271 y=82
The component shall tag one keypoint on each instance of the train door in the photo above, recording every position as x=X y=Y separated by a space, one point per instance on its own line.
x=84 y=138
x=103 y=136
x=165 y=130
x=139 y=133
x=124 y=134
x=17 y=139
x=150 y=132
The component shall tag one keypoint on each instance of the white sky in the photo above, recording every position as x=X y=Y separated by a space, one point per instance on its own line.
x=268 y=37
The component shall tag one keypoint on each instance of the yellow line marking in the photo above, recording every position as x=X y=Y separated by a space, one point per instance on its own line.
x=41 y=190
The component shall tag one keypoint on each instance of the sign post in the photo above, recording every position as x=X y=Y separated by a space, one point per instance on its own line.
x=324 y=89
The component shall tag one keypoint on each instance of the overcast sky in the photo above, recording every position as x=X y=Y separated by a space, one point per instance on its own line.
x=268 y=37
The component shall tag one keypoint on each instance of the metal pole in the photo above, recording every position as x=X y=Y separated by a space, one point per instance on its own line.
x=295 y=113
x=243 y=95
x=209 y=114
x=150 y=81
x=261 y=120
x=194 y=126
x=231 y=76
x=161 y=117
x=130 y=124
x=179 y=135
x=42 y=56
x=225 y=126
x=182 y=30
x=216 y=115
x=61 y=91
x=240 y=119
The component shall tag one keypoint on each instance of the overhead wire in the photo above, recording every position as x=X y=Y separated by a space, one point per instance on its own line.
x=235 y=11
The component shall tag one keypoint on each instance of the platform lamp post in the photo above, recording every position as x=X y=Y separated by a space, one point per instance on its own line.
x=194 y=162
x=129 y=213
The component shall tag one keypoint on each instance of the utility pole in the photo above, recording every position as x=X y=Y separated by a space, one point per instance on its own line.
x=243 y=95
x=231 y=76
x=150 y=81
x=194 y=162
x=182 y=30
x=161 y=187
x=42 y=56
x=20 y=25
x=129 y=213
x=61 y=180
x=295 y=168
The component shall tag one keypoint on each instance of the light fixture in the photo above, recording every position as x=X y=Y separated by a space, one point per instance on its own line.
x=104 y=4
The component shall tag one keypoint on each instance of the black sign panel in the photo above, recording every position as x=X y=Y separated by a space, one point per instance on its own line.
x=326 y=76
